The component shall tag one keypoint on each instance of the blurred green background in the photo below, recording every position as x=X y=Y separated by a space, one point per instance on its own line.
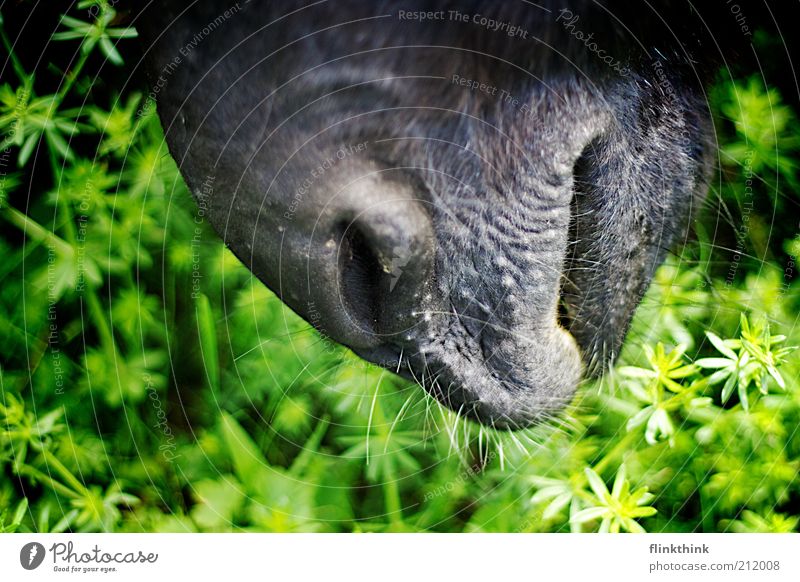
x=149 y=383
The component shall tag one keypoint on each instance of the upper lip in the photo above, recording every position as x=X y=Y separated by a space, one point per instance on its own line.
x=503 y=394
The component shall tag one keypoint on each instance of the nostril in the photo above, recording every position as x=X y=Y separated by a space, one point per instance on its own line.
x=379 y=267
x=580 y=216
x=360 y=277
x=564 y=315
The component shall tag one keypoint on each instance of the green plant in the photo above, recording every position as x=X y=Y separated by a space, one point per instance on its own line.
x=148 y=382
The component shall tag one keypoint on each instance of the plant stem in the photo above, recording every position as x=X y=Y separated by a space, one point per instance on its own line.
x=616 y=451
x=18 y=68
x=103 y=327
x=49 y=481
x=51 y=459
x=95 y=308
x=70 y=78
x=35 y=230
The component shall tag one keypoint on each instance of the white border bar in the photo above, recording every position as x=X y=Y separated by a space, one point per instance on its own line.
x=408 y=557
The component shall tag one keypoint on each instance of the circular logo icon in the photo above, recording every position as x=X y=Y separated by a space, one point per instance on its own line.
x=31 y=555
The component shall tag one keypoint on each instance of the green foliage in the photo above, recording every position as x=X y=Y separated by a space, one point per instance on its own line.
x=95 y=33
x=149 y=383
x=618 y=508
x=767 y=130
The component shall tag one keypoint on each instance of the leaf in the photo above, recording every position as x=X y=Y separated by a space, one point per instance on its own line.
x=619 y=483
x=19 y=514
x=16 y=519
x=27 y=149
x=719 y=343
x=633 y=526
x=776 y=376
x=683 y=371
x=659 y=425
x=219 y=501
x=589 y=514
x=310 y=448
x=639 y=418
x=714 y=363
x=555 y=506
x=110 y=51
x=719 y=376
x=65 y=522
x=207 y=333
x=701 y=402
x=547 y=493
x=743 y=397
x=727 y=390
x=672 y=385
x=248 y=463
x=635 y=372
x=644 y=512
x=596 y=483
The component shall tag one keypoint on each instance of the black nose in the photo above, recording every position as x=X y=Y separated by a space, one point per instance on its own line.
x=480 y=334
x=371 y=263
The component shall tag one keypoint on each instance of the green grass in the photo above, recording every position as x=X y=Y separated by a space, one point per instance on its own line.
x=149 y=383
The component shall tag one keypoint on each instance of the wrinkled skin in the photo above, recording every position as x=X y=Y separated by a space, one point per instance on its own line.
x=495 y=251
